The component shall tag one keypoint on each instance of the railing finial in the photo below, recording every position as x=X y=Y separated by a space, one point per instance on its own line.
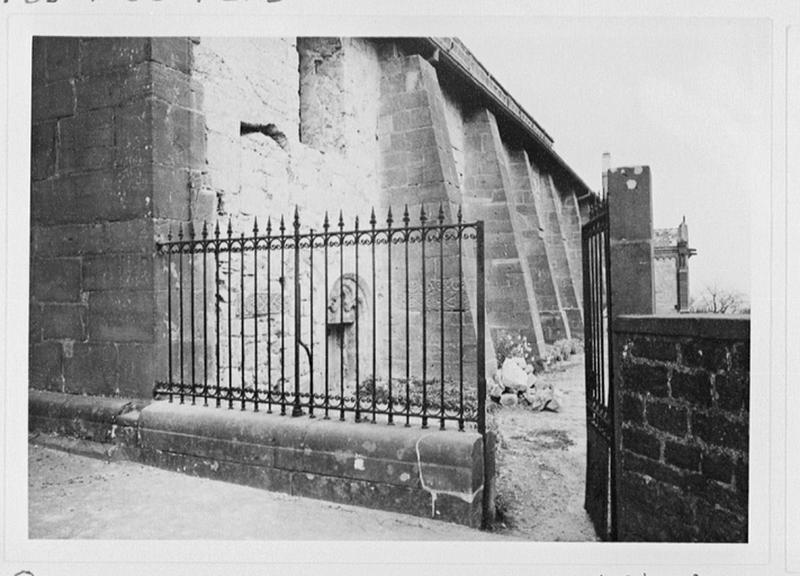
x=372 y=220
x=205 y=230
x=406 y=219
x=389 y=218
x=422 y=216
x=460 y=215
x=441 y=214
x=326 y=222
x=255 y=226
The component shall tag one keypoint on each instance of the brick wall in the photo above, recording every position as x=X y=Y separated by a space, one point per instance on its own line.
x=684 y=384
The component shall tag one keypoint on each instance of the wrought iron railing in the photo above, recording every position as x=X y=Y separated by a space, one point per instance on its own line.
x=400 y=336
x=597 y=316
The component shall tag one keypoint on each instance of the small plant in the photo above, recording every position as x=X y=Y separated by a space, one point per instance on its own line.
x=452 y=394
x=511 y=345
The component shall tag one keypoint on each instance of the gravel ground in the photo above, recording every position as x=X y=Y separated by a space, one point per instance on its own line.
x=542 y=464
x=540 y=482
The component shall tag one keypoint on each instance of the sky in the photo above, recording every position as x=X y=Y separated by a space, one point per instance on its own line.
x=688 y=97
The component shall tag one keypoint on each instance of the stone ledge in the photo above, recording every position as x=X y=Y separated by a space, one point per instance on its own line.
x=431 y=473
x=713 y=326
x=86 y=417
x=371 y=465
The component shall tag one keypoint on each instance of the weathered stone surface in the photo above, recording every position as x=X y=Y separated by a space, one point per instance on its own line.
x=718 y=466
x=121 y=316
x=641 y=442
x=57 y=280
x=131 y=236
x=45 y=368
x=633 y=409
x=43 y=151
x=64 y=321
x=692 y=387
x=62 y=58
x=117 y=271
x=98 y=55
x=343 y=462
x=172 y=52
x=645 y=378
x=720 y=430
x=654 y=349
x=91 y=369
x=682 y=456
x=667 y=418
x=630 y=204
x=703 y=468
x=56 y=100
x=136 y=369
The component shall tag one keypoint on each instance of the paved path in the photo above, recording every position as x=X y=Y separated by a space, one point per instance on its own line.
x=74 y=496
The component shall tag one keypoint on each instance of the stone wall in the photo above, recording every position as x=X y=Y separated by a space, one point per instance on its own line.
x=113 y=151
x=665 y=278
x=684 y=386
x=136 y=137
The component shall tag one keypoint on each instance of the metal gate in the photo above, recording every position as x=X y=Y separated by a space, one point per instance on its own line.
x=600 y=468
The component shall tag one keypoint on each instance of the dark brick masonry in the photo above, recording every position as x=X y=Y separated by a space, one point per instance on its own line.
x=684 y=384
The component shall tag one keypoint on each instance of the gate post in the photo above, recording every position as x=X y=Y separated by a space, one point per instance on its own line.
x=630 y=212
x=630 y=283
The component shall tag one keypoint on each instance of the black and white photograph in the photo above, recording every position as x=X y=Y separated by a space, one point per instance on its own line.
x=487 y=283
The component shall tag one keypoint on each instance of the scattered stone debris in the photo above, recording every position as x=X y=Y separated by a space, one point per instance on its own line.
x=516 y=381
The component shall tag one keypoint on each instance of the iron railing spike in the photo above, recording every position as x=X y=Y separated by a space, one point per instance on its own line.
x=224 y=252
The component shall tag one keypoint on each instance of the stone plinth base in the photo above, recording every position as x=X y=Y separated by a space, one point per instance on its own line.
x=430 y=473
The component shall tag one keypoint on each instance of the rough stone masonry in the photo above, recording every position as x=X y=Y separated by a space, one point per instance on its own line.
x=133 y=136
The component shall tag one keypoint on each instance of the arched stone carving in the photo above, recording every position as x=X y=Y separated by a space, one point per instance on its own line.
x=342 y=300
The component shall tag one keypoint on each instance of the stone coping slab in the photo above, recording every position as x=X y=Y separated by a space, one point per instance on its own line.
x=424 y=472
x=717 y=326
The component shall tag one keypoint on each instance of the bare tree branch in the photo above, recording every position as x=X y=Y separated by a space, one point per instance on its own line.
x=717 y=300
